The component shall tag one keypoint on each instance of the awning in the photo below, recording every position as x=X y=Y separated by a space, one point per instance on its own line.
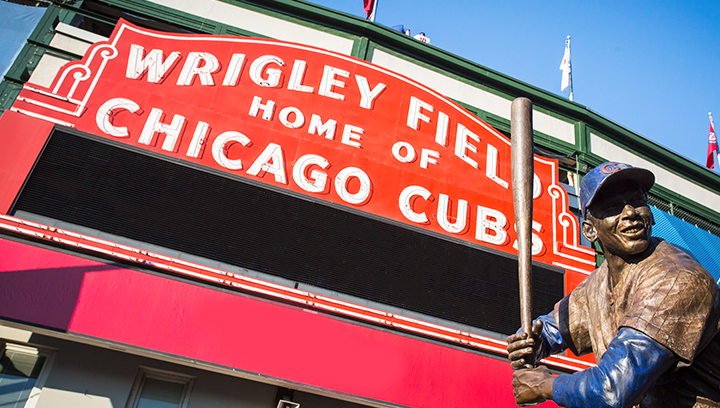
x=699 y=243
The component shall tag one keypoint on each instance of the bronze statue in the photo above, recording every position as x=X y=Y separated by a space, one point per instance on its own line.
x=649 y=313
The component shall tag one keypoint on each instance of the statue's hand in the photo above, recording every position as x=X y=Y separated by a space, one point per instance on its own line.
x=522 y=350
x=532 y=386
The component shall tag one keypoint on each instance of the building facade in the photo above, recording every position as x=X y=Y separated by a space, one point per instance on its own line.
x=273 y=204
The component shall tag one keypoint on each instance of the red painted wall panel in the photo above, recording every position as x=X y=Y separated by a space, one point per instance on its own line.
x=43 y=287
x=21 y=139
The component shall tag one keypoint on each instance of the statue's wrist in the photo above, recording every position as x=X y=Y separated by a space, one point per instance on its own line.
x=547 y=388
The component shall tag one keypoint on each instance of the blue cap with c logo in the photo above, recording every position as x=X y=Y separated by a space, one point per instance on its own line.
x=611 y=173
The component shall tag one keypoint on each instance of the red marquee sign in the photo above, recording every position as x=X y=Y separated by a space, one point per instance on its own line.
x=314 y=122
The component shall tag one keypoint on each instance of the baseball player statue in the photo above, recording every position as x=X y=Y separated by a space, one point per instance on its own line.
x=649 y=313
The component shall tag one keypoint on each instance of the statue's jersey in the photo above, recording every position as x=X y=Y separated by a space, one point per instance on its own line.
x=670 y=298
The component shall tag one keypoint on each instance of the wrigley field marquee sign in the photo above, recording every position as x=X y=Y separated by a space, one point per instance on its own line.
x=318 y=123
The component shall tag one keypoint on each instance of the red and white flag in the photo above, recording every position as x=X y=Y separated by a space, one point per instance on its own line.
x=566 y=68
x=712 y=146
x=370 y=7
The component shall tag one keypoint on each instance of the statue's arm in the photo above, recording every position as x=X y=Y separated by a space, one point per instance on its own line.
x=545 y=341
x=631 y=364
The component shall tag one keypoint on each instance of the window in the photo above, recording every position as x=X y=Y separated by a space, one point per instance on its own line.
x=155 y=388
x=21 y=375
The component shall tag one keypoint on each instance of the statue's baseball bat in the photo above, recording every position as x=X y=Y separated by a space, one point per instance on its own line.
x=521 y=134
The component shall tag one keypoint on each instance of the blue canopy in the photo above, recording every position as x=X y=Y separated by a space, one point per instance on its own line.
x=699 y=243
x=18 y=23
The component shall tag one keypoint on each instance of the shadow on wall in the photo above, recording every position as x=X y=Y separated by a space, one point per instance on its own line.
x=41 y=286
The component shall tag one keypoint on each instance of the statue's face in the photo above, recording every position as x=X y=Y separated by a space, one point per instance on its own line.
x=621 y=220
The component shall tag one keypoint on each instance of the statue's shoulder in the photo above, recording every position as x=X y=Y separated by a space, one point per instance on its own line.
x=665 y=252
x=673 y=262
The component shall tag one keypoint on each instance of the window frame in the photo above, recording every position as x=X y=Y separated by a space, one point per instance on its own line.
x=144 y=373
x=49 y=355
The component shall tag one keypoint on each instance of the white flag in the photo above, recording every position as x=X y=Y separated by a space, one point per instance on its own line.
x=566 y=67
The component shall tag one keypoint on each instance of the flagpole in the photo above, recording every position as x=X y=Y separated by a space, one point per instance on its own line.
x=372 y=15
x=571 y=81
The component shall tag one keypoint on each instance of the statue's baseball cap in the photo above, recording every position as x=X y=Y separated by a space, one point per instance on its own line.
x=610 y=173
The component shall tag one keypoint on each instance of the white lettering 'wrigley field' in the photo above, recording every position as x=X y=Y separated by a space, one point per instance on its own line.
x=268 y=71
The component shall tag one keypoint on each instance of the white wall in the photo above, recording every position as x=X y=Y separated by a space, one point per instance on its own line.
x=665 y=178
x=471 y=95
x=260 y=23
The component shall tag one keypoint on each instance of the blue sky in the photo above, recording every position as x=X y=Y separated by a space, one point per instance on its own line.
x=651 y=66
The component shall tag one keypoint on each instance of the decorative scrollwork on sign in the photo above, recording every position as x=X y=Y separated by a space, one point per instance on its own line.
x=566 y=240
x=81 y=73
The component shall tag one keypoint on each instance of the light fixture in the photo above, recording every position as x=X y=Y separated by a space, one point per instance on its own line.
x=287 y=404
